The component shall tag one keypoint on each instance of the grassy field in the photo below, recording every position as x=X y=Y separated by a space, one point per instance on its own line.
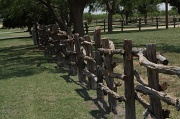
x=32 y=88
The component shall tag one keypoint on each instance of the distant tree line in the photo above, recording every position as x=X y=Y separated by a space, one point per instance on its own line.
x=68 y=13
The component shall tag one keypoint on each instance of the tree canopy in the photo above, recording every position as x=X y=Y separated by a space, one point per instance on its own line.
x=22 y=13
x=68 y=13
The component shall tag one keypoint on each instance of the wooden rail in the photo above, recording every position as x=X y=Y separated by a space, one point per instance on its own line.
x=132 y=24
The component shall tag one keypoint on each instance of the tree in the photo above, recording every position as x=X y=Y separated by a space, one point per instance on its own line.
x=110 y=7
x=63 y=12
x=127 y=8
x=175 y=3
x=76 y=12
x=48 y=4
x=76 y=8
x=146 y=6
x=23 y=13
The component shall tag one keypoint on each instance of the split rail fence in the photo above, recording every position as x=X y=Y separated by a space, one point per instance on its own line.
x=133 y=24
x=93 y=60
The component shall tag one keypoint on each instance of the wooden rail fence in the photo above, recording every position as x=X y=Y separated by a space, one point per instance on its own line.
x=93 y=59
x=132 y=24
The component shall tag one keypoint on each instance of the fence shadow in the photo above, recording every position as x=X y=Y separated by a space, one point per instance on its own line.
x=102 y=106
x=169 y=48
x=17 y=61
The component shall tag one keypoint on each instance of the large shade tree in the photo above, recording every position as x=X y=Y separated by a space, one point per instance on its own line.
x=64 y=12
x=52 y=9
x=74 y=13
x=23 y=13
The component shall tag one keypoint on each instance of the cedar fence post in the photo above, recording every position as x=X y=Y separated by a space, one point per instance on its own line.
x=99 y=60
x=104 y=25
x=79 y=59
x=122 y=25
x=174 y=21
x=157 y=22
x=139 y=24
x=90 y=64
x=72 y=57
x=86 y=27
x=129 y=83
x=153 y=82
x=108 y=65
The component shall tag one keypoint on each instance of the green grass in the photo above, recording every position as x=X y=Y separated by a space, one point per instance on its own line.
x=12 y=33
x=32 y=88
x=167 y=42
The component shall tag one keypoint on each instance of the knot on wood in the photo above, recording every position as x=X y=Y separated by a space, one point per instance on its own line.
x=166 y=113
x=178 y=104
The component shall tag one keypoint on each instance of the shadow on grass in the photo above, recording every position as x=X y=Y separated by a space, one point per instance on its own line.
x=169 y=48
x=101 y=104
x=11 y=38
x=19 y=61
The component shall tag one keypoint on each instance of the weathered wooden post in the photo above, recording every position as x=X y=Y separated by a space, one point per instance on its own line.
x=108 y=65
x=34 y=36
x=122 y=25
x=139 y=24
x=129 y=83
x=90 y=63
x=153 y=82
x=157 y=22
x=79 y=59
x=99 y=60
x=86 y=27
x=36 y=32
x=174 y=21
x=72 y=57
x=104 y=25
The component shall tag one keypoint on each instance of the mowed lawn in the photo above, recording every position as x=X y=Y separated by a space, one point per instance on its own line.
x=31 y=87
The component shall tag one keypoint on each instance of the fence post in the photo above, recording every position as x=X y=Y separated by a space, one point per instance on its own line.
x=122 y=24
x=72 y=59
x=153 y=81
x=34 y=36
x=129 y=83
x=174 y=21
x=139 y=24
x=99 y=60
x=104 y=25
x=108 y=65
x=157 y=22
x=86 y=27
x=90 y=64
x=79 y=59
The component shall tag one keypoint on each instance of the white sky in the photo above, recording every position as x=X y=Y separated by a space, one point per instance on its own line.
x=162 y=6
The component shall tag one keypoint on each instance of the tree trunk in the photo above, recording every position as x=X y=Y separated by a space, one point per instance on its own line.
x=110 y=14
x=145 y=18
x=127 y=15
x=76 y=9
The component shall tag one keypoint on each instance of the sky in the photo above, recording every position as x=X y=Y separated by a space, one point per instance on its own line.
x=162 y=7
